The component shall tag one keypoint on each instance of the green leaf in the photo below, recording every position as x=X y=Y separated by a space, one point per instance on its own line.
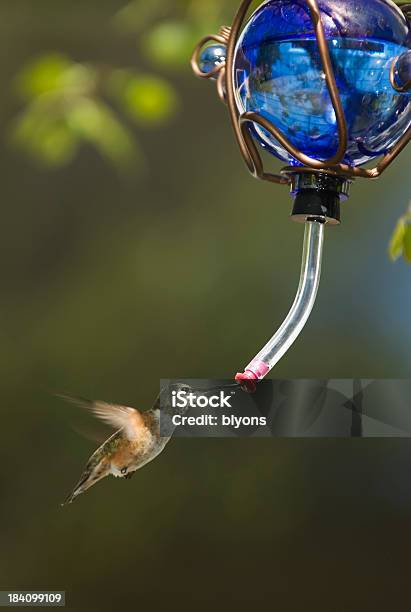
x=57 y=146
x=147 y=99
x=397 y=240
x=42 y=75
x=95 y=122
x=52 y=74
x=407 y=242
x=170 y=43
x=137 y=14
x=78 y=79
x=44 y=137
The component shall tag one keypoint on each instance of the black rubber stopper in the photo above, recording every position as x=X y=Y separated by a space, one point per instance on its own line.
x=317 y=205
x=317 y=196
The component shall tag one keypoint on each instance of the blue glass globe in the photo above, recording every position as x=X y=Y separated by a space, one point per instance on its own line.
x=278 y=74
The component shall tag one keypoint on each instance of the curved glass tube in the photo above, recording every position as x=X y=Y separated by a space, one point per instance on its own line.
x=300 y=310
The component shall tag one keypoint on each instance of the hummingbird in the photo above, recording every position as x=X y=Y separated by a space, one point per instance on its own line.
x=136 y=441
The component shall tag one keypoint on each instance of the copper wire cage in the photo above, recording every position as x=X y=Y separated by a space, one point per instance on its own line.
x=228 y=36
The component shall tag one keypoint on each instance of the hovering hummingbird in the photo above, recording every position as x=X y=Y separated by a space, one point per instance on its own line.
x=136 y=442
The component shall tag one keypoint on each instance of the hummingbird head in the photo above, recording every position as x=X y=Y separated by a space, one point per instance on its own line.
x=166 y=392
x=182 y=387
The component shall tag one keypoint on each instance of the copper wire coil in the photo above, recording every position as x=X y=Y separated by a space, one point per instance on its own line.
x=225 y=32
x=195 y=59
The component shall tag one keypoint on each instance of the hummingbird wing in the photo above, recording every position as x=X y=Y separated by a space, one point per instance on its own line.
x=129 y=420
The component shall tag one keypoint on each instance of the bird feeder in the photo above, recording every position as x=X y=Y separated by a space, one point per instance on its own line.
x=324 y=86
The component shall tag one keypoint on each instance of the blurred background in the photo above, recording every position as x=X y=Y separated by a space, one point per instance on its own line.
x=132 y=234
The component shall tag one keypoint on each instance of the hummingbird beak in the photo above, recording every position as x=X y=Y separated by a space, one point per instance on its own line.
x=217 y=388
x=249 y=387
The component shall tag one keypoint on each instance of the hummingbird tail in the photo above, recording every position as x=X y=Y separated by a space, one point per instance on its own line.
x=87 y=480
x=78 y=490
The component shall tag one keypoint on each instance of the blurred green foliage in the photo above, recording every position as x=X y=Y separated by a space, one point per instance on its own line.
x=168 y=30
x=68 y=104
x=145 y=98
x=400 y=244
